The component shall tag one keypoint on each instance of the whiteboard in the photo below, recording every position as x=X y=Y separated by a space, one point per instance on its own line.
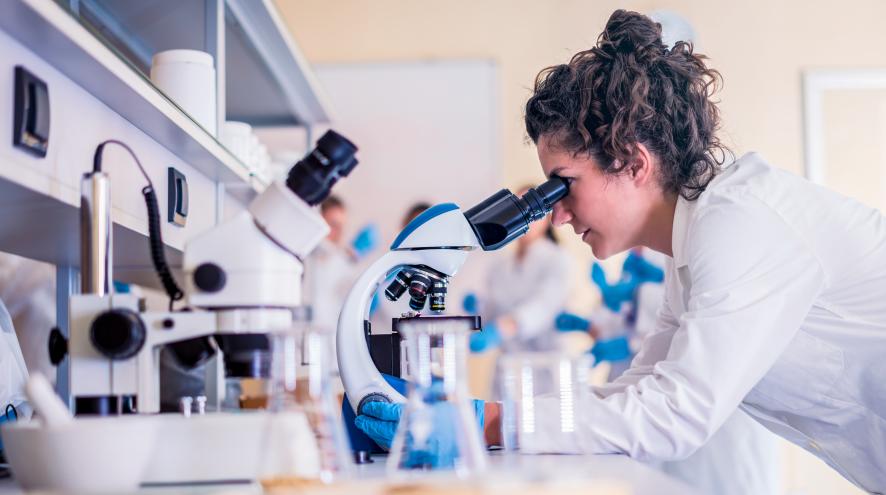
x=426 y=131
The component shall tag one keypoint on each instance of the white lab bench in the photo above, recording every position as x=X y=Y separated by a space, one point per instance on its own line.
x=624 y=475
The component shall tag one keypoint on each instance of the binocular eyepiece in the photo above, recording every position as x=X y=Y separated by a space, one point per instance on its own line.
x=313 y=176
x=503 y=217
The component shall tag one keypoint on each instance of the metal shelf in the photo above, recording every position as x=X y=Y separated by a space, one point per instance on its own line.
x=49 y=31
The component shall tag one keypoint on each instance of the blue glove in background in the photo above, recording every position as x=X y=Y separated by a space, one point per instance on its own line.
x=569 y=322
x=366 y=240
x=642 y=270
x=469 y=303
x=485 y=339
x=121 y=288
x=613 y=295
x=379 y=420
x=615 y=349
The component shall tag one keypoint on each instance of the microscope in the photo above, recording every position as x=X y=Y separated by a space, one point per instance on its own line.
x=422 y=259
x=243 y=282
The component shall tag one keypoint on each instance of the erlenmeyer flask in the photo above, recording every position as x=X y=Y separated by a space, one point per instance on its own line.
x=438 y=429
x=305 y=438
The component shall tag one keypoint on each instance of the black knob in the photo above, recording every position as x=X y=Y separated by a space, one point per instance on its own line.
x=210 y=277
x=118 y=334
x=58 y=346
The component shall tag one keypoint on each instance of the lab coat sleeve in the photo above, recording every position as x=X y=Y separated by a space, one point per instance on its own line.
x=653 y=349
x=749 y=281
x=536 y=315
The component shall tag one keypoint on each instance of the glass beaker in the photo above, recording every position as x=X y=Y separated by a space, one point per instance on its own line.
x=438 y=429
x=305 y=439
x=541 y=396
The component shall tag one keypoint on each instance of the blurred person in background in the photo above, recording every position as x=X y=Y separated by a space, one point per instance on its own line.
x=525 y=289
x=330 y=269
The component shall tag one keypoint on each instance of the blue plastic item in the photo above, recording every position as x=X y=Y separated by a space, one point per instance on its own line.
x=486 y=339
x=366 y=240
x=570 y=322
x=615 y=349
x=614 y=295
x=470 y=303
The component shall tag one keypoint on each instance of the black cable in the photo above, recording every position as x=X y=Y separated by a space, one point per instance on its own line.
x=155 y=237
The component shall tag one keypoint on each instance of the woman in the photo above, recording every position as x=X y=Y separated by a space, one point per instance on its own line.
x=525 y=289
x=775 y=297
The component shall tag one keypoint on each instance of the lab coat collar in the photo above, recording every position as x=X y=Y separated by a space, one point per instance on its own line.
x=679 y=230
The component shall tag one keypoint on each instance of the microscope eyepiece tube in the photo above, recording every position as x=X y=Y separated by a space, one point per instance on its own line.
x=502 y=217
x=313 y=176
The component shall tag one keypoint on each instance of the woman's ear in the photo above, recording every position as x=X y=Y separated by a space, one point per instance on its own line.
x=642 y=167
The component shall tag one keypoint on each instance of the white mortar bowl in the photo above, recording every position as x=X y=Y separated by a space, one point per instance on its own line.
x=89 y=455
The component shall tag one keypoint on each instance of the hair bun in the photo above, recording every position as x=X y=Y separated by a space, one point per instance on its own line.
x=630 y=32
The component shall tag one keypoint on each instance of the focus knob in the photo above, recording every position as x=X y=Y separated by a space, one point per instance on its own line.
x=209 y=277
x=118 y=334
x=58 y=346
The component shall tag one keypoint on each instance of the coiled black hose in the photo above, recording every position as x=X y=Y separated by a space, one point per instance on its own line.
x=155 y=238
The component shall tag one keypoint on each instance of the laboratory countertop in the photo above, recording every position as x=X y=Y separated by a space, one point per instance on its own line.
x=553 y=474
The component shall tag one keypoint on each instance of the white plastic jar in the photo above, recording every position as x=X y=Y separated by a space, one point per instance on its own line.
x=188 y=78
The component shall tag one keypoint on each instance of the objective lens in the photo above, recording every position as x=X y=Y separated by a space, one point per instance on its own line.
x=398 y=286
x=437 y=296
x=418 y=291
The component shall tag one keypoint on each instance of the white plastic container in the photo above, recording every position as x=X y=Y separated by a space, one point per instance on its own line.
x=188 y=78
x=86 y=455
x=237 y=137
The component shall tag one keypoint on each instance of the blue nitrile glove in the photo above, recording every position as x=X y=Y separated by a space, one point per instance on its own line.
x=642 y=270
x=365 y=241
x=379 y=420
x=615 y=349
x=487 y=338
x=469 y=303
x=613 y=295
x=121 y=288
x=569 y=322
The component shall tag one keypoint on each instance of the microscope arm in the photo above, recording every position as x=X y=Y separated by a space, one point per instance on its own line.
x=361 y=379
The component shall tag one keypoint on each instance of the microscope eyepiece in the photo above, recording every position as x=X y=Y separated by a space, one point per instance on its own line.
x=503 y=217
x=314 y=175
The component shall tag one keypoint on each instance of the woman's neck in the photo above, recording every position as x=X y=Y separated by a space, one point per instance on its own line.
x=659 y=228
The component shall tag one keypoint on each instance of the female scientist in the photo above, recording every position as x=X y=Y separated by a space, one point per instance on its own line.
x=775 y=288
x=775 y=297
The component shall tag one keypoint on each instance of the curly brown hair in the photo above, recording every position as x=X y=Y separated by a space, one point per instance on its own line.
x=630 y=88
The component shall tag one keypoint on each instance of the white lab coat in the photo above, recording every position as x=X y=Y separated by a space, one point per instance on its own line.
x=27 y=287
x=532 y=291
x=330 y=271
x=776 y=303
x=741 y=458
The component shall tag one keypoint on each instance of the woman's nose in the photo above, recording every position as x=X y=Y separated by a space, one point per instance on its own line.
x=560 y=215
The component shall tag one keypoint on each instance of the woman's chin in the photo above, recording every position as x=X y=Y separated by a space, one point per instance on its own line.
x=598 y=248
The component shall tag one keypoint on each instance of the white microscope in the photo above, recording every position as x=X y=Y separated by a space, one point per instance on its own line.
x=243 y=281
x=424 y=256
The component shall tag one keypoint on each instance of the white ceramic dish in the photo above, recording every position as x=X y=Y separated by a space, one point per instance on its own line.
x=89 y=455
